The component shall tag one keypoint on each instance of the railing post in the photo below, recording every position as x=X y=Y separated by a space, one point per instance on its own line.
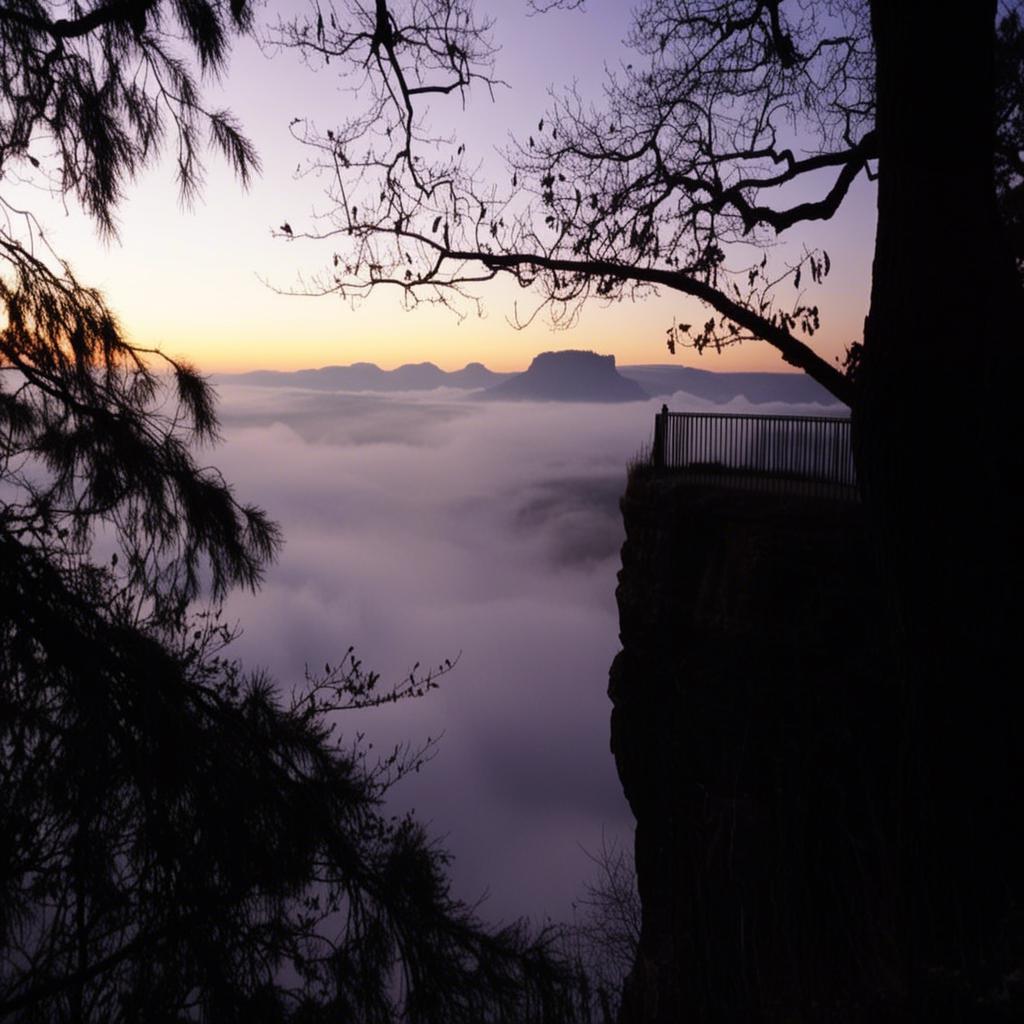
x=660 y=426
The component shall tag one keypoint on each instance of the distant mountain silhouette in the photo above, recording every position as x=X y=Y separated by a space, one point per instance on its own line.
x=370 y=377
x=569 y=376
x=476 y=375
x=791 y=388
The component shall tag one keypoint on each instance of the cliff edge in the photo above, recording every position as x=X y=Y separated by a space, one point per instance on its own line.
x=748 y=736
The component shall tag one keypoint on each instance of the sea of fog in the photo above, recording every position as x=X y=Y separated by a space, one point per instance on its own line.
x=424 y=526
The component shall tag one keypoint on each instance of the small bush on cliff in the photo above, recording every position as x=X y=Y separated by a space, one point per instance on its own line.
x=604 y=938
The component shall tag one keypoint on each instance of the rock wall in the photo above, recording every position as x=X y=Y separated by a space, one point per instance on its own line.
x=751 y=725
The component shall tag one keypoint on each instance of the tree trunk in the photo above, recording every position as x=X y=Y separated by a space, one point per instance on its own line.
x=936 y=437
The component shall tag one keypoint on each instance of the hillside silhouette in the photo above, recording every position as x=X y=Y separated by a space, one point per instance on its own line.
x=758 y=388
x=370 y=377
x=564 y=376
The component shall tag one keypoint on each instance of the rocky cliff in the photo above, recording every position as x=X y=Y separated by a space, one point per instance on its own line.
x=750 y=730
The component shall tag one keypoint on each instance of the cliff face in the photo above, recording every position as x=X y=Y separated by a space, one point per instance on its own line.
x=750 y=728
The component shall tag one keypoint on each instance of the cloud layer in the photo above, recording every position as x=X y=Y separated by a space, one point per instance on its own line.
x=422 y=526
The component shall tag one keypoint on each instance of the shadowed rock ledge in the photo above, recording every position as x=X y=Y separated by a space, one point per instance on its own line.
x=749 y=728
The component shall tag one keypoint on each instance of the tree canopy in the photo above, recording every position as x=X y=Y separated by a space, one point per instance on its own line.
x=724 y=128
x=177 y=839
x=692 y=155
x=85 y=440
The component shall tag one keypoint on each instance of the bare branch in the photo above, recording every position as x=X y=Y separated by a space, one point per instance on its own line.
x=686 y=166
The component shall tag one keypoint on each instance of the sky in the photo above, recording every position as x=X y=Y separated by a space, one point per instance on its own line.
x=425 y=526
x=200 y=283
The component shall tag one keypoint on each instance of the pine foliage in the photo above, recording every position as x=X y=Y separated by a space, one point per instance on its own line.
x=177 y=840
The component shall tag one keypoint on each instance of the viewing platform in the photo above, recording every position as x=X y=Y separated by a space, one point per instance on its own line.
x=810 y=455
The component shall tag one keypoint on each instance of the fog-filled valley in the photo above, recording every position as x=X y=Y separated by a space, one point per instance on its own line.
x=421 y=526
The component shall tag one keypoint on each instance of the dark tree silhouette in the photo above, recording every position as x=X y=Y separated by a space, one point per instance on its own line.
x=93 y=92
x=938 y=456
x=176 y=841
x=693 y=153
x=649 y=191
x=604 y=936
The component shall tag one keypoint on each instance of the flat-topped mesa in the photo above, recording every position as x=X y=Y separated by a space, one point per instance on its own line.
x=570 y=376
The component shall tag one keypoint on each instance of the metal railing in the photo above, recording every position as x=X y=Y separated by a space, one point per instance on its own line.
x=804 y=454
